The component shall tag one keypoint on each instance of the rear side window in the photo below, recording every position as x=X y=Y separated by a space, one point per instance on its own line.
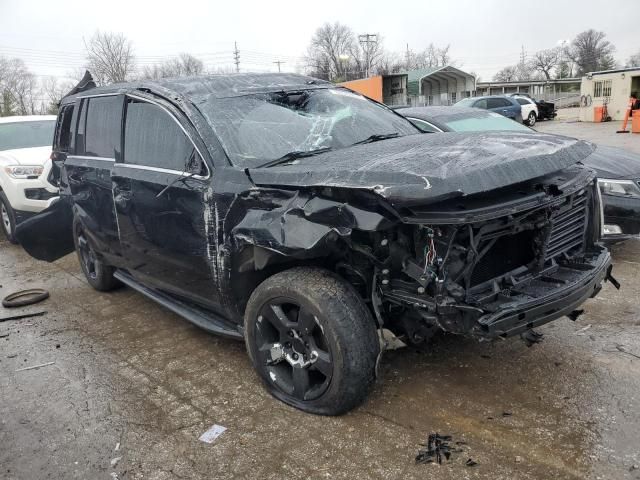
x=153 y=138
x=99 y=127
x=498 y=103
x=63 y=129
x=522 y=101
x=481 y=103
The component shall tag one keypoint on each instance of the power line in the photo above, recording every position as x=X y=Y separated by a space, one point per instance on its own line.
x=367 y=39
x=278 y=62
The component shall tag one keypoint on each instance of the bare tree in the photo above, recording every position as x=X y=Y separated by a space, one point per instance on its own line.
x=634 y=60
x=110 y=57
x=590 y=51
x=507 y=74
x=545 y=61
x=18 y=87
x=390 y=63
x=431 y=57
x=330 y=52
x=183 y=65
x=53 y=90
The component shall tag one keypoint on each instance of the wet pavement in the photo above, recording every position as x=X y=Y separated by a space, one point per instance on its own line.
x=600 y=133
x=134 y=386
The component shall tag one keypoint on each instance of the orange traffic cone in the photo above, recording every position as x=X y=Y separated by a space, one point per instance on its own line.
x=627 y=114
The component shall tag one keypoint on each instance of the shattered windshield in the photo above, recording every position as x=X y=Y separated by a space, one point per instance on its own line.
x=256 y=129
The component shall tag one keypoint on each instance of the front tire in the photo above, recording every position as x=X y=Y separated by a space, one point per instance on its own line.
x=7 y=219
x=312 y=340
x=531 y=119
x=99 y=275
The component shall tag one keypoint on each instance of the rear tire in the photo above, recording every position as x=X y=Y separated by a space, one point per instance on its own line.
x=531 y=119
x=99 y=275
x=7 y=219
x=312 y=340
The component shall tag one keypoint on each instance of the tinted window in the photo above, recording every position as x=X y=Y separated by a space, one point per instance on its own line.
x=99 y=127
x=153 y=138
x=26 y=134
x=63 y=129
x=522 y=101
x=498 y=103
x=481 y=103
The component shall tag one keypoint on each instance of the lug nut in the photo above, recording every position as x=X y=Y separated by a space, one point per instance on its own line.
x=295 y=356
x=384 y=242
x=385 y=282
x=420 y=289
x=385 y=271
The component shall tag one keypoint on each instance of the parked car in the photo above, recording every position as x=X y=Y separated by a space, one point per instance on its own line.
x=529 y=110
x=304 y=217
x=618 y=170
x=546 y=110
x=25 y=147
x=505 y=106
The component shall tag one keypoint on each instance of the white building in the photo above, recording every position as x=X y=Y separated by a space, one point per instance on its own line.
x=611 y=86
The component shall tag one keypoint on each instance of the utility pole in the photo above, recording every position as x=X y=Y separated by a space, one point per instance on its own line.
x=368 y=39
x=236 y=56
x=408 y=57
x=279 y=63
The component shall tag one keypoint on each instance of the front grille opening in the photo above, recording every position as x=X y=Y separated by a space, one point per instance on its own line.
x=507 y=254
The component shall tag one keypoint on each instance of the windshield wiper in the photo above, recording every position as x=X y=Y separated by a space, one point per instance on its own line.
x=287 y=157
x=376 y=137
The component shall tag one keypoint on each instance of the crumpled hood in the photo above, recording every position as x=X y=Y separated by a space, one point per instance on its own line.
x=25 y=156
x=614 y=163
x=425 y=168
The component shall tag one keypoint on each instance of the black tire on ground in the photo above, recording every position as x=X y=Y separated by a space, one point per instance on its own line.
x=306 y=313
x=99 y=275
x=7 y=219
x=531 y=119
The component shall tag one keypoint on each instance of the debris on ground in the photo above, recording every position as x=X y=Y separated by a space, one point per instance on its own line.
x=25 y=297
x=437 y=446
x=210 y=435
x=22 y=315
x=518 y=459
x=531 y=337
x=35 y=366
x=507 y=414
x=4 y=335
x=582 y=330
x=471 y=463
x=114 y=461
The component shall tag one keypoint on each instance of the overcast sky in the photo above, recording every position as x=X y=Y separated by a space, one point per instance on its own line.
x=484 y=35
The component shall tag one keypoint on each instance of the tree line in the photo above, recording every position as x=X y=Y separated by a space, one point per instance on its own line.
x=589 y=51
x=110 y=58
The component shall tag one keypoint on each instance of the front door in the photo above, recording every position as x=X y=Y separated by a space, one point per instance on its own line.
x=159 y=191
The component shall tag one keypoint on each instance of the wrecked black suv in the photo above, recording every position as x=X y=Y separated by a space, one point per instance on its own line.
x=304 y=218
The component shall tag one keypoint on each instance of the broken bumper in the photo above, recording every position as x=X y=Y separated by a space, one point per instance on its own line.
x=568 y=289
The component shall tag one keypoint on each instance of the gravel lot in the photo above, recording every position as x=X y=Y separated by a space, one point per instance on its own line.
x=134 y=386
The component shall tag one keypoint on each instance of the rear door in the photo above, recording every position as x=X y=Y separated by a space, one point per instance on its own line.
x=501 y=106
x=159 y=188
x=97 y=144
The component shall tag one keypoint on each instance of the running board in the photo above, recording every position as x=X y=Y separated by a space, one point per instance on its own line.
x=208 y=321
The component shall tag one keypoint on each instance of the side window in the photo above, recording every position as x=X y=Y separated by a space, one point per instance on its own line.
x=153 y=138
x=99 y=127
x=63 y=129
x=481 y=103
x=522 y=101
x=498 y=103
x=424 y=126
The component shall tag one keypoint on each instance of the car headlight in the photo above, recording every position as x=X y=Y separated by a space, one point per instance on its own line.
x=620 y=188
x=24 y=171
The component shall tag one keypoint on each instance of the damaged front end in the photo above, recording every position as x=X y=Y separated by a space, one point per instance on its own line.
x=488 y=265
x=495 y=264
